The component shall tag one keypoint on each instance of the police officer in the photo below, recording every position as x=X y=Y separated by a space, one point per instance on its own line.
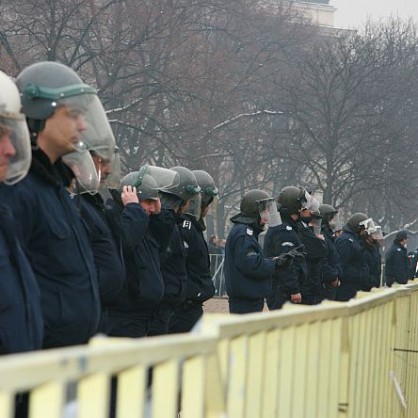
x=145 y=232
x=413 y=262
x=107 y=248
x=354 y=266
x=21 y=325
x=332 y=268
x=283 y=238
x=59 y=107
x=248 y=272
x=372 y=242
x=177 y=198
x=397 y=264
x=316 y=251
x=191 y=224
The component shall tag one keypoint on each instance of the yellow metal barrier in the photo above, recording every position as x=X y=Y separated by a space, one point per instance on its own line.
x=356 y=359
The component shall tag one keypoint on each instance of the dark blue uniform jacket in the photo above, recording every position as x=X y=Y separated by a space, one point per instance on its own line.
x=279 y=240
x=396 y=264
x=21 y=324
x=143 y=238
x=316 y=252
x=107 y=249
x=199 y=280
x=173 y=269
x=58 y=247
x=355 y=269
x=374 y=260
x=247 y=272
x=331 y=267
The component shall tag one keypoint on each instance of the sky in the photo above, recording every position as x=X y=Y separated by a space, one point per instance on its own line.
x=354 y=13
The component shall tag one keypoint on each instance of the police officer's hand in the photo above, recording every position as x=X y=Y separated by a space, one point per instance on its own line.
x=129 y=195
x=336 y=282
x=296 y=298
x=297 y=252
x=283 y=261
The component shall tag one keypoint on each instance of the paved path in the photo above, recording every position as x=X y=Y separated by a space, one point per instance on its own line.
x=219 y=305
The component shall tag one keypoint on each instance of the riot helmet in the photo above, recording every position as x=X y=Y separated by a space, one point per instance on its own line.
x=150 y=180
x=13 y=128
x=187 y=187
x=46 y=86
x=86 y=178
x=251 y=205
x=207 y=185
x=291 y=199
x=329 y=215
x=146 y=186
x=356 y=220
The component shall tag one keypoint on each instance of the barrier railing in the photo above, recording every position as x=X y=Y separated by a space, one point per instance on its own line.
x=355 y=359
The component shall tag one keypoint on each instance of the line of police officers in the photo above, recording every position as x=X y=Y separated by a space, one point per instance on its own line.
x=137 y=264
x=303 y=260
x=75 y=262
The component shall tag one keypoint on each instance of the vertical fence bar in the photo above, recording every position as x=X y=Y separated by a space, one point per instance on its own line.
x=131 y=392
x=165 y=389
x=193 y=388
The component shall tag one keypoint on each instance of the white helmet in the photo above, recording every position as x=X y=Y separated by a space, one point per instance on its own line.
x=14 y=123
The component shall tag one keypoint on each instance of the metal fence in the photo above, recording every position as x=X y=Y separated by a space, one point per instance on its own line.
x=356 y=359
x=217 y=272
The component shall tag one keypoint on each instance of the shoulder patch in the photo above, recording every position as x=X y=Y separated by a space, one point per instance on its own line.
x=250 y=232
x=289 y=228
x=185 y=244
x=287 y=244
x=398 y=249
x=187 y=224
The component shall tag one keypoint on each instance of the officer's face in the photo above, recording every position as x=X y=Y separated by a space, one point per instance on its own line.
x=150 y=206
x=6 y=152
x=103 y=167
x=62 y=132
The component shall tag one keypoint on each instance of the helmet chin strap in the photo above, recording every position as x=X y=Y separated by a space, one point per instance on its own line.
x=35 y=126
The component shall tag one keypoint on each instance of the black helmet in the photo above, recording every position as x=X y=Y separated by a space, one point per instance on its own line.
x=146 y=186
x=291 y=199
x=354 y=221
x=187 y=186
x=250 y=206
x=207 y=185
x=45 y=85
x=327 y=212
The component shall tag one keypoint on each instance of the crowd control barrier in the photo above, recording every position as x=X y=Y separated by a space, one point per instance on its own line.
x=355 y=359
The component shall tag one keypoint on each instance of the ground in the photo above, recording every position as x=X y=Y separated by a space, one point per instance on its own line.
x=219 y=305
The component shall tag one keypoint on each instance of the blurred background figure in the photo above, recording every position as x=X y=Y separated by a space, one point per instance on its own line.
x=397 y=264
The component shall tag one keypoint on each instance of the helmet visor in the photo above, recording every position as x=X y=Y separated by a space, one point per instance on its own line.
x=312 y=204
x=194 y=208
x=82 y=166
x=16 y=129
x=375 y=233
x=335 y=219
x=268 y=212
x=316 y=223
x=368 y=224
x=98 y=136
x=164 y=177
x=108 y=170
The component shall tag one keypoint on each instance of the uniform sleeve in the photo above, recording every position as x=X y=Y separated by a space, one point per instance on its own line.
x=250 y=260
x=129 y=223
x=281 y=242
x=162 y=226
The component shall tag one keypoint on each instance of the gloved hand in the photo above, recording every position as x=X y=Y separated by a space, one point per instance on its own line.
x=170 y=201
x=285 y=260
